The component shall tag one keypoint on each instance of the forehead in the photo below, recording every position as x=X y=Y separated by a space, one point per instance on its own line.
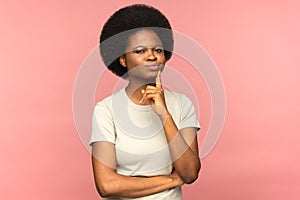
x=145 y=38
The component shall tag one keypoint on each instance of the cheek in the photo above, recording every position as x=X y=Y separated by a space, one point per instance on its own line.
x=140 y=59
x=135 y=61
x=161 y=58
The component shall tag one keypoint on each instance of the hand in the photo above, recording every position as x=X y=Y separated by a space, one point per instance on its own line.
x=174 y=175
x=155 y=96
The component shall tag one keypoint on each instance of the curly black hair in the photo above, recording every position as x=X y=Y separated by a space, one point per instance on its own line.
x=127 y=21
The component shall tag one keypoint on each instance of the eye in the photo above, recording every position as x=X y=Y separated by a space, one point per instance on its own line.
x=158 y=50
x=139 y=51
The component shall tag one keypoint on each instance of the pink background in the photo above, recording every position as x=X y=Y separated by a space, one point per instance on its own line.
x=255 y=45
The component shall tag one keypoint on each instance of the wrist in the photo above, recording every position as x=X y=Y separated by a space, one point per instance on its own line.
x=176 y=180
x=165 y=116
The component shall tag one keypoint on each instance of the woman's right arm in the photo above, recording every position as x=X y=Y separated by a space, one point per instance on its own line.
x=111 y=184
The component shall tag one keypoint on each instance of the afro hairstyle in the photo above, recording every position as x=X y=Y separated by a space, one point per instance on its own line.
x=125 y=22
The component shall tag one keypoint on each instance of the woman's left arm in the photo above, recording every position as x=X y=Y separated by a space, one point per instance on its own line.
x=183 y=147
x=183 y=143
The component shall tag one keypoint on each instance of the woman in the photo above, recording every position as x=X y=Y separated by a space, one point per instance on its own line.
x=144 y=143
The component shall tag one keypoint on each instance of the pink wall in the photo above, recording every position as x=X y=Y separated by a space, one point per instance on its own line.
x=255 y=45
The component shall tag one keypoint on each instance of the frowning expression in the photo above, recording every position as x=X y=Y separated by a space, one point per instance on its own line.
x=144 y=55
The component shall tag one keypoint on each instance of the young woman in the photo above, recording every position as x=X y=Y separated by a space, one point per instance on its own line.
x=144 y=143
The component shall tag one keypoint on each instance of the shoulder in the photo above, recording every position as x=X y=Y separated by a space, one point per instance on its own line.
x=180 y=101
x=176 y=96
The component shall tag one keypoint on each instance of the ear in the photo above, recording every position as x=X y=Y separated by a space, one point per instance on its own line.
x=122 y=60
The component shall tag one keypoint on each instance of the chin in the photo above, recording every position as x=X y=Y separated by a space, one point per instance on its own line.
x=151 y=75
x=147 y=77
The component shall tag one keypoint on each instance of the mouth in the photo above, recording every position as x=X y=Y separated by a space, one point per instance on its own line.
x=154 y=67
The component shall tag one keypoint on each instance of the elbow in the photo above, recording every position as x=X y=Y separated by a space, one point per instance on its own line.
x=104 y=190
x=192 y=176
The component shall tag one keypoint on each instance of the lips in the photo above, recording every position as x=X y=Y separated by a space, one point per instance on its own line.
x=153 y=67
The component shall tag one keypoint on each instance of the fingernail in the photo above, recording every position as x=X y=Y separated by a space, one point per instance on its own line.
x=143 y=91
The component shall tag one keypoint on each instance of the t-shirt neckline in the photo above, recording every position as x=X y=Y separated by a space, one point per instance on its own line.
x=134 y=105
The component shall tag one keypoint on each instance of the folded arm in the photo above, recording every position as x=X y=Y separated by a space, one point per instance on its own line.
x=183 y=147
x=111 y=184
x=183 y=143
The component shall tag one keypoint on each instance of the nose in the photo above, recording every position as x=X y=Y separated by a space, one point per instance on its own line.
x=151 y=55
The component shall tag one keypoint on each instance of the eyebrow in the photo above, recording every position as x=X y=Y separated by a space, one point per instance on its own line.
x=147 y=47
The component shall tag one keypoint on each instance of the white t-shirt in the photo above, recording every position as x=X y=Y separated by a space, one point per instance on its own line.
x=138 y=135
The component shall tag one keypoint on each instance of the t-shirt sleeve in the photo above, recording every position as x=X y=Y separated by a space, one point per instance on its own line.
x=188 y=116
x=103 y=128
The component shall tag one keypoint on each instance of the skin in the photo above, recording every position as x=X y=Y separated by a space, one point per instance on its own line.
x=145 y=60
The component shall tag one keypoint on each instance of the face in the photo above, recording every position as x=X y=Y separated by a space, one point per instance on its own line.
x=144 y=57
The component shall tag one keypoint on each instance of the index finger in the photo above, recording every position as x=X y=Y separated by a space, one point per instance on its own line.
x=158 y=80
